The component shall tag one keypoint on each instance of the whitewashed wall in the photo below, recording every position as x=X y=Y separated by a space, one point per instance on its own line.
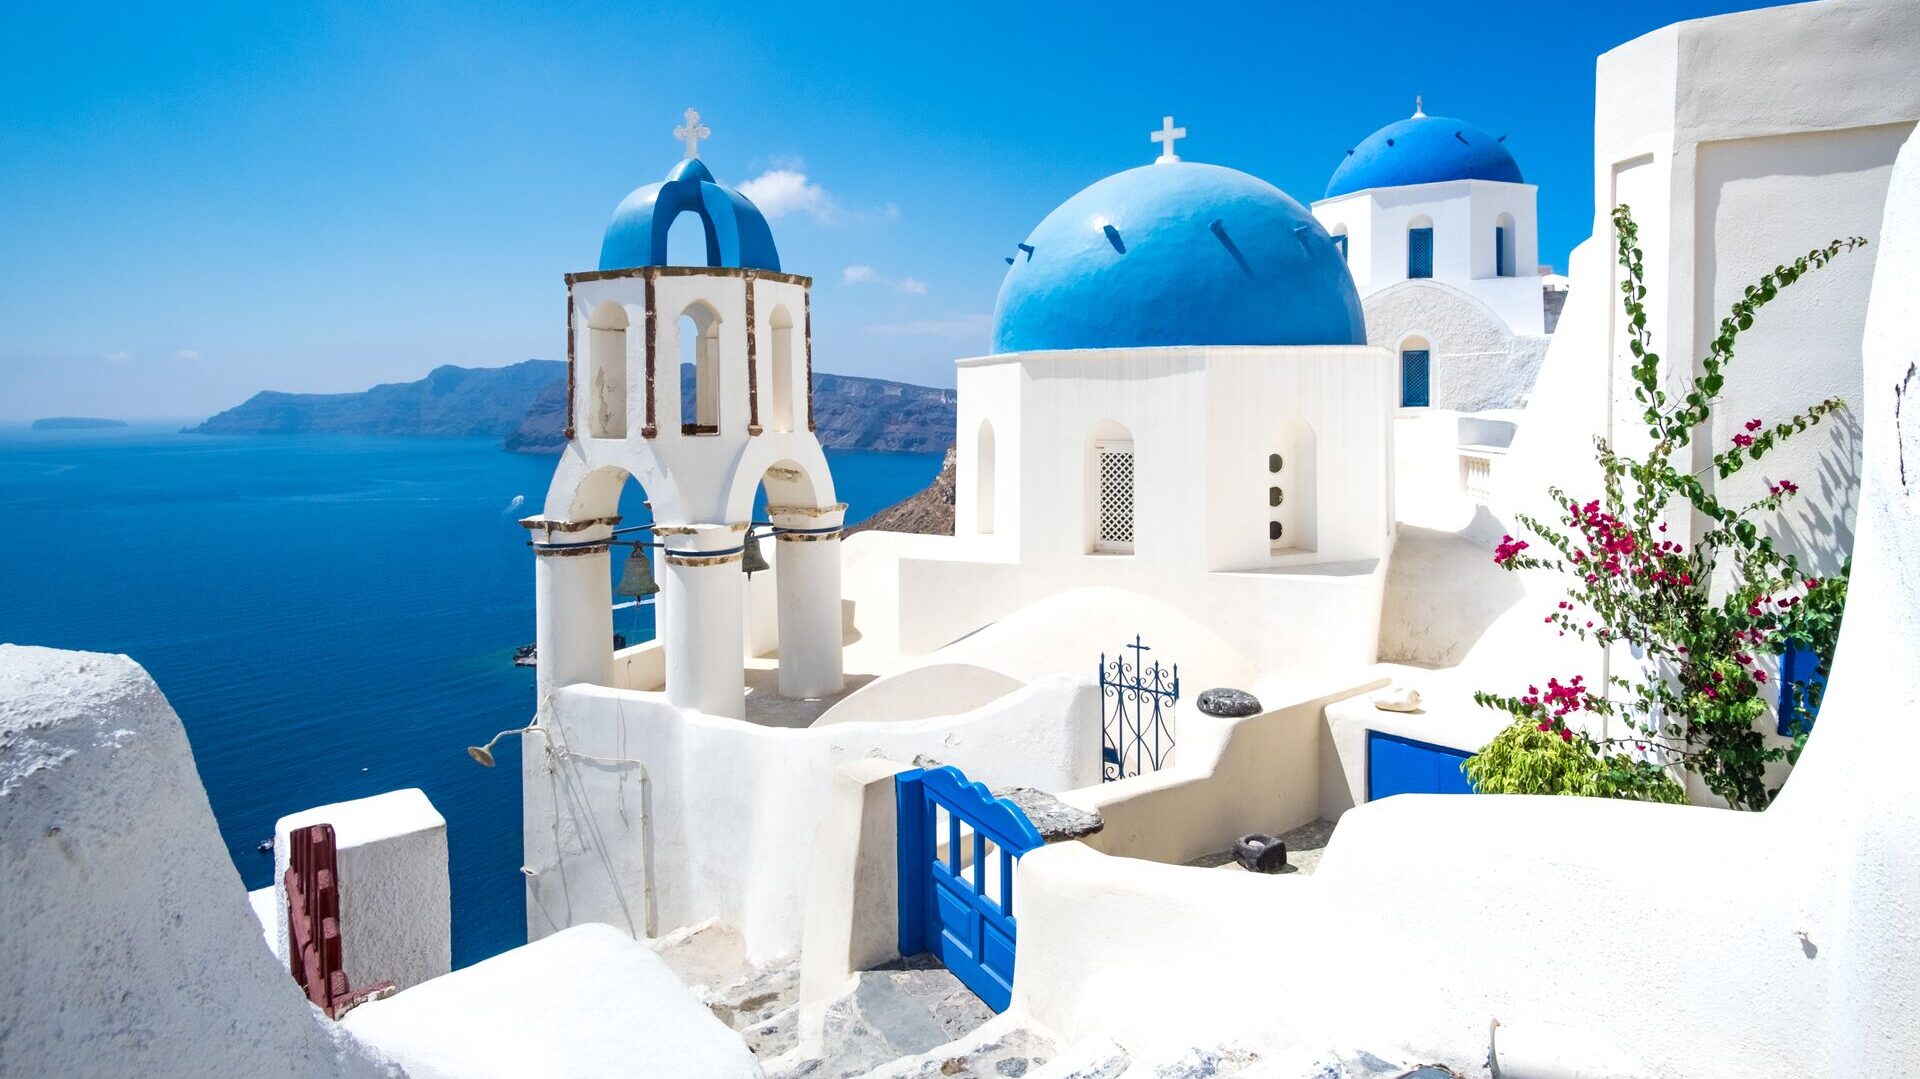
x=128 y=947
x=1203 y=422
x=1464 y=214
x=686 y=817
x=1476 y=361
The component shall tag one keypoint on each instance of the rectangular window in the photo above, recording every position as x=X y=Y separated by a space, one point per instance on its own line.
x=1500 y=267
x=1413 y=378
x=1420 y=252
x=1115 y=525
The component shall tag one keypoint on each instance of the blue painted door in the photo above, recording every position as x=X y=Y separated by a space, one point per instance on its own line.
x=1801 y=686
x=1500 y=251
x=957 y=902
x=1397 y=765
x=1420 y=252
x=1414 y=392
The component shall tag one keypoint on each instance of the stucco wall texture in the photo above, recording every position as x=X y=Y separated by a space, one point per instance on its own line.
x=127 y=946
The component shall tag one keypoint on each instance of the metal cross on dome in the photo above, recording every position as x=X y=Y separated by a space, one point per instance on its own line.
x=692 y=132
x=1166 y=137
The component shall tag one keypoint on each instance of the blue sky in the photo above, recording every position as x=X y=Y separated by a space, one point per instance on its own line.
x=200 y=201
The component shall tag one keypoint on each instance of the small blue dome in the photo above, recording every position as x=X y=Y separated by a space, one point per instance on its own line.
x=737 y=234
x=1423 y=149
x=1177 y=253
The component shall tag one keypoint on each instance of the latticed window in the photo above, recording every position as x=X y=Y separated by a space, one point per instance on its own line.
x=1115 y=464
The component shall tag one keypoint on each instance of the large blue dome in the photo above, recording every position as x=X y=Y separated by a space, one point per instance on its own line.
x=1423 y=149
x=737 y=233
x=1177 y=253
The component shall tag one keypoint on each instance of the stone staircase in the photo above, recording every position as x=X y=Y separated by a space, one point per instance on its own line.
x=913 y=1020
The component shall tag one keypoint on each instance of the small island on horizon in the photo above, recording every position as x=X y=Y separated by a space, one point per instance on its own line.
x=75 y=423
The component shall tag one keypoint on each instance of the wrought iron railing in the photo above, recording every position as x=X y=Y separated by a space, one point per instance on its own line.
x=1136 y=712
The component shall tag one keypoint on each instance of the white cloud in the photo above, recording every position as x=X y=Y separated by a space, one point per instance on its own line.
x=864 y=275
x=784 y=188
x=121 y=356
x=779 y=192
x=188 y=354
x=954 y=327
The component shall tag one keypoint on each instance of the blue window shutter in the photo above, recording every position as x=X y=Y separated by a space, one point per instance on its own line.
x=1500 y=251
x=1341 y=243
x=1420 y=252
x=1799 y=673
x=1413 y=378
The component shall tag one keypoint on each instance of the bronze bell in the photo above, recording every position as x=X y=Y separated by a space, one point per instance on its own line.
x=751 y=559
x=637 y=579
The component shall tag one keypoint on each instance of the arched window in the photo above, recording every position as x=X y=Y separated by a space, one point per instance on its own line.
x=1420 y=247
x=1503 y=238
x=784 y=375
x=607 y=371
x=1415 y=373
x=1110 y=472
x=700 y=352
x=688 y=241
x=1290 y=475
x=983 y=481
x=1339 y=234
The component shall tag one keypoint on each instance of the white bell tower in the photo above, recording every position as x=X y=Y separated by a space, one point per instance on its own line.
x=702 y=442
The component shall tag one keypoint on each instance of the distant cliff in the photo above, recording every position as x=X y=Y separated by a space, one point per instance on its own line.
x=74 y=423
x=525 y=405
x=450 y=401
x=930 y=512
x=849 y=413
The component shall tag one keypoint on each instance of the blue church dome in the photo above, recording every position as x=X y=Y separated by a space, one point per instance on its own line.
x=737 y=233
x=1423 y=149
x=1177 y=253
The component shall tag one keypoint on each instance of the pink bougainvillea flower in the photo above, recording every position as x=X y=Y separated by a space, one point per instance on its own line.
x=1753 y=425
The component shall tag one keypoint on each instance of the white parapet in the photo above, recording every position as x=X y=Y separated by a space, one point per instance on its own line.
x=588 y=1001
x=128 y=948
x=396 y=912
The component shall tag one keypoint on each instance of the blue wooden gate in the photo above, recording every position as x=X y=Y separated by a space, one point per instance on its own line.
x=958 y=844
x=1397 y=765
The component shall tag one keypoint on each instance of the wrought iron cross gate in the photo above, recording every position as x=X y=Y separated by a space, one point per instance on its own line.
x=1136 y=711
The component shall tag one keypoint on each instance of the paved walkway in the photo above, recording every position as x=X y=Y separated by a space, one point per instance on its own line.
x=1304 y=847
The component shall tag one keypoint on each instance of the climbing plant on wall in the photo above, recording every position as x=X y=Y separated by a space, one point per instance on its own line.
x=1697 y=617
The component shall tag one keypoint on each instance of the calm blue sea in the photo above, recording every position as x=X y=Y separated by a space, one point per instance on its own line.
x=332 y=617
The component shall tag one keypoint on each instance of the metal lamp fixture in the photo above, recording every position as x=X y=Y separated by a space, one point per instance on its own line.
x=483 y=755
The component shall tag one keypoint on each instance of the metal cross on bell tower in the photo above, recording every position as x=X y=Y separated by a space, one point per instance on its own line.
x=692 y=132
